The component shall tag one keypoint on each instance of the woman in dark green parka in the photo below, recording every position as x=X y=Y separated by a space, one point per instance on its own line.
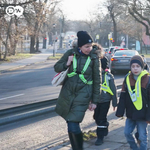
x=80 y=90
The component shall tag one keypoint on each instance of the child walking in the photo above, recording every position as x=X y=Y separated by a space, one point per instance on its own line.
x=135 y=101
x=108 y=93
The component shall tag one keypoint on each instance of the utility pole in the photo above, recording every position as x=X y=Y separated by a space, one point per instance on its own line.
x=127 y=41
x=109 y=38
x=61 y=31
x=54 y=38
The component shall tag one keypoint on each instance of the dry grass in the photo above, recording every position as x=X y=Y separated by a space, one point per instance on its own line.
x=18 y=56
x=147 y=56
x=57 y=56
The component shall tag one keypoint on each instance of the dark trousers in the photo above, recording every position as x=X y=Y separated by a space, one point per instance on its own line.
x=100 y=113
x=100 y=116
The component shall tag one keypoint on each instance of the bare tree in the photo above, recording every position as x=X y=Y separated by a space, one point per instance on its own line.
x=140 y=11
x=115 y=11
x=35 y=16
x=11 y=27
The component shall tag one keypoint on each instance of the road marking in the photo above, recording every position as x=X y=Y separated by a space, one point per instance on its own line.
x=11 y=97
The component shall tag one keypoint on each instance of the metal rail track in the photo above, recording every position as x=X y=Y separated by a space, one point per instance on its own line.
x=26 y=111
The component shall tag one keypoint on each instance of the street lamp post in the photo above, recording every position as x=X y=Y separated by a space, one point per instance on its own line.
x=61 y=31
x=110 y=37
x=54 y=38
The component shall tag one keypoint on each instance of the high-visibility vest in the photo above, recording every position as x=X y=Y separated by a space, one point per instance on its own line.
x=81 y=75
x=105 y=85
x=135 y=94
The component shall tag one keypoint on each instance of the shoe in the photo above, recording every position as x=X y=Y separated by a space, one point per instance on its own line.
x=99 y=142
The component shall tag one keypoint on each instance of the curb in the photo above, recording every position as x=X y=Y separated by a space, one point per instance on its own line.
x=18 y=113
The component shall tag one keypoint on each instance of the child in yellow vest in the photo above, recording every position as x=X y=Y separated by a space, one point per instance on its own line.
x=135 y=101
x=108 y=93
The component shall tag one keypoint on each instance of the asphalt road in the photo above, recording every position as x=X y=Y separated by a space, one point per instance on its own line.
x=26 y=85
x=31 y=84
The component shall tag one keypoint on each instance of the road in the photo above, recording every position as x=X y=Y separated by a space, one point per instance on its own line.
x=26 y=85
x=30 y=84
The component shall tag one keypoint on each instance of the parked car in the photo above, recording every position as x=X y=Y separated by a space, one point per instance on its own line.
x=117 y=49
x=121 y=60
x=112 y=49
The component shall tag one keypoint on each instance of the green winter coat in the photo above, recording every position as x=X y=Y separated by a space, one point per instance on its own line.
x=75 y=95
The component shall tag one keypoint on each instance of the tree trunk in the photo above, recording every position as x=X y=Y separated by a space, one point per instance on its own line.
x=6 y=46
x=32 y=44
x=37 y=44
x=115 y=32
x=14 y=47
x=44 y=42
x=50 y=41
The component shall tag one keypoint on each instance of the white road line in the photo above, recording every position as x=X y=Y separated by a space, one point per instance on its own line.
x=11 y=97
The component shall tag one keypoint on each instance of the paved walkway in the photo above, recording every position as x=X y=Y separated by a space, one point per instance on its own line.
x=115 y=139
x=28 y=61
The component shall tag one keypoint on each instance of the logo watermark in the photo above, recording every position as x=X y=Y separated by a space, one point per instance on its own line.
x=14 y=10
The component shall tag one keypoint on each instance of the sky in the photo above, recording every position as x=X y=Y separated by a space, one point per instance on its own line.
x=79 y=9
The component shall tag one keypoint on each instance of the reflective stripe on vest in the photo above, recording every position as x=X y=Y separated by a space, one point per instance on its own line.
x=105 y=85
x=81 y=76
x=135 y=94
x=102 y=126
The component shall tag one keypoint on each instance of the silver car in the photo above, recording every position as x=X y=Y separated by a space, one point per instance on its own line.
x=121 y=60
x=112 y=50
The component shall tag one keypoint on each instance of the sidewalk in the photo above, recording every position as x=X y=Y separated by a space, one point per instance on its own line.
x=115 y=140
x=28 y=61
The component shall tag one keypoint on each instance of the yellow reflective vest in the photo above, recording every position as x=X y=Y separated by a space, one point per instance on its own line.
x=105 y=85
x=135 y=94
x=81 y=75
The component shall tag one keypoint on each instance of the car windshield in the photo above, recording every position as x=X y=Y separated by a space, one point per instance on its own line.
x=126 y=53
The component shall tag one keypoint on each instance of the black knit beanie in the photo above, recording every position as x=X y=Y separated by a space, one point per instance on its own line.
x=137 y=59
x=104 y=63
x=83 y=38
